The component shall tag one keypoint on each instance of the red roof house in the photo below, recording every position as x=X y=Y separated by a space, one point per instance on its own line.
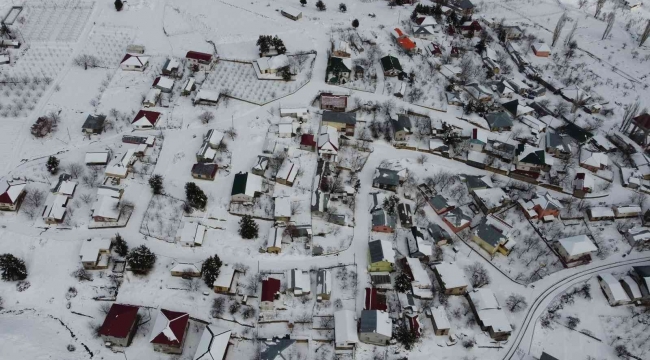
x=119 y=324
x=374 y=300
x=195 y=55
x=11 y=195
x=145 y=119
x=270 y=289
x=307 y=142
x=413 y=324
x=168 y=333
x=403 y=40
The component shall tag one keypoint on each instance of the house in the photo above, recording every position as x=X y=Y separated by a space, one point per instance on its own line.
x=94 y=124
x=439 y=235
x=134 y=63
x=417 y=247
x=301 y=114
x=613 y=290
x=286 y=127
x=287 y=173
x=575 y=250
x=291 y=13
x=502 y=150
x=139 y=140
x=451 y=278
x=145 y=120
x=531 y=160
x=477 y=138
x=282 y=208
x=638 y=237
x=168 y=332
x=271 y=65
x=386 y=179
x=383 y=221
x=328 y=143
x=477 y=182
x=333 y=102
x=260 y=167
x=456 y=220
x=12 y=196
x=402 y=40
x=274 y=240
x=185 y=270
x=599 y=213
x=441 y=204
x=199 y=61
x=631 y=287
x=465 y=7
x=341 y=48
x=338 y=70
x=95 y=253
x=391 y=66
x=402 y=127
x=503 y=89
x=204 y=171
x=454 y=98
x=214 y=344
x=299 y=282
x=55 y=209
x=381 y=256
x=119 y=325
x=5 y=59
x=96 y=158
x=405 y=215
x=223 y=282
x=516 y=110
x=400 y=89
x=192 y=234
x=345 y=330
x=470 y=28
x=418 y=274
x=492 y=234
x=479 y=92
x=499 y=121
x=593 y=161
x=413 y=324
x=188 y=87
x=374 y=299
x=323 y=284
x=433 y=49
x=641 y=292
x=426 y=32
x=152 y=97
x=164 y=84
x=246 y=187
x=270 y=293
x=439 y=319
x=583 y=182
x=558 y=145
x=106 y=207
x=542 y=206
x=541 y=49
x=342 y=122
x=489 y=314
x=170 y=67
x=491 y=200
x=121 y=165
x=375 y=327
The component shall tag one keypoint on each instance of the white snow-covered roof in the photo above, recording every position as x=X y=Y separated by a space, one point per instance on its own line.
x=213 y=344
x=288 y=171
x=253 y=184
x=440 y=317
x=638 y=234
x=226 y=274
x=345 y=328
x=615 y=287
x=216 y=137
x=108 y=191
x=324 y=286
x=452 y=276
x=67 y=188
x=328 y=140
x=275 y=237
x=189 y=84
x=163 y=325
x=172 y=64
x=291 y=11
x=90 y=248
x=603 y=142
x=96 y=157
x=207 y=95
x=632 y=286
x=13 y=191
x=595 y=159
x=133 y=60
x=629 y=209
x=541 y=47
x=192 y=233
x=342 y=46
x=532 y=122
x=420 y=276
x=601 y=211
x=492 y=197
x=300 y=282
x=55 y=207
x=165 y=82
x=150 y=98
x=587 y=182
x=106 y=207
x=186 y=268
x=578 y=245
x=282 y=206
x=272 y=63
x=489 y=311
x=291 y=111
x=388 y=253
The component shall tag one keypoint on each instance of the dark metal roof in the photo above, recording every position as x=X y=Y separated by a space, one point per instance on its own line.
x=376 y=252
x=205 y=169
x=438 y=233
x=339 y=117
x=386 y=177
x=239 y=184
x=438 y=202
x=499 y=120
x=381 y=218
x=94 y=122
x=390 y=63
x=368 y=321
x=489 y=233
x=403 y=122
x=404 y=211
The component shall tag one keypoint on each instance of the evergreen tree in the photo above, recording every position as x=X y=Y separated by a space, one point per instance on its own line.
x=402 y=283
x=210 y=270
x=248 y=228
x=278 y=44
x=343 y=7
x=12 y=268
x=119 y=5
x=414 y=15
x=320 y=5
x=156 y=184
x=141 y=259
x=303 y=2
x=285 y=72
x=355 y=23
x=121 y=248
x=264 y=42
x=195 y=196
x=52 y=165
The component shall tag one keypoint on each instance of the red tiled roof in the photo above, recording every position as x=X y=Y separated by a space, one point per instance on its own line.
x=155 y=82
x=373 y=302
x=128 y=56
x=119 y=321
x=414 y=325
x=151 y=116
x=642 y=121
x=177 y=324
x=399 y=32
x=270 y=287
x=406 y=43
x=419 y=20
x=198 y=56
x=307 y=140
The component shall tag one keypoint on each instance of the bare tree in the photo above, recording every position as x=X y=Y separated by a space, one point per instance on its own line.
x=206 y=117
x=75 y=169
x=231 y=132
x=558 y=28
x=571 y=34
x=87 y=61
x=645 y=34
x=611 y=18
x=516 y=302
x=34 y=198
x=599 y=7
x=629 y=114
x=479 y=276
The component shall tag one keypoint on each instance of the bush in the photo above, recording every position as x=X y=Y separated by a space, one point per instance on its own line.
x=119 y=5
x=82 y=275
x=141 y=259
x=248 y=228
x=218 y=307
x=52 y=165
x=343 y=7
x=355 y=23
x=156 y=184
x=247 y=312
x=210 y=270
x=12 y=268
x=234 y=307
x=402 y=283
x=320 y=5
x=195 y=196
x=121 y=248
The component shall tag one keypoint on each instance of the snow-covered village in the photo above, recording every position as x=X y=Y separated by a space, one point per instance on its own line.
x=325 y=179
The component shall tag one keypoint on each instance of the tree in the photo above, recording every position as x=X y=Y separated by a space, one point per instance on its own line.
x=278 y=44
x=646 y=33
x=248 y=228
x=516 y=302
x=210 y=270
x=52 y=165
x=206 y=117
x=629 y=114
x=75 y=169
x=405 y=336
x=611 y=18
x=218 y=306
x=141 y=259
x=355 y=23
x=321 y=5
x=264 y=42
x=43 y=126
x=118 y=5
x=156 y=184
x=390 y=204
x=121 y=248
x=558 y=28
x=303 y=2
x=195 y=196
x=479 y=276
x=569 y=38
x=599 y=7
x=12 y=268
x=343 y=7
x=285 y=72
x=87 y=61
x=402 y=282
x=572 y=322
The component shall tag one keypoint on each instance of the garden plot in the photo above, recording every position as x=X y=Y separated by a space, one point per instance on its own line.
x=238 y=80
x=351 y=158
x=330 y=238
x=62 y=21
x=608 y=238
x=428 y=92
x=162 y=218
x=364 y=82
x=108 y=45
x=262 y=208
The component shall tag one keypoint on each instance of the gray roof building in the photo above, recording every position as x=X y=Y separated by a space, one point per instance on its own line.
x=94 y=123
x=381 y=218
x=490 y=234
x=437 y=233
x=499 y=120
x=403 y=123
x=386 y=177
x=275 y=348
x=339 y=117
